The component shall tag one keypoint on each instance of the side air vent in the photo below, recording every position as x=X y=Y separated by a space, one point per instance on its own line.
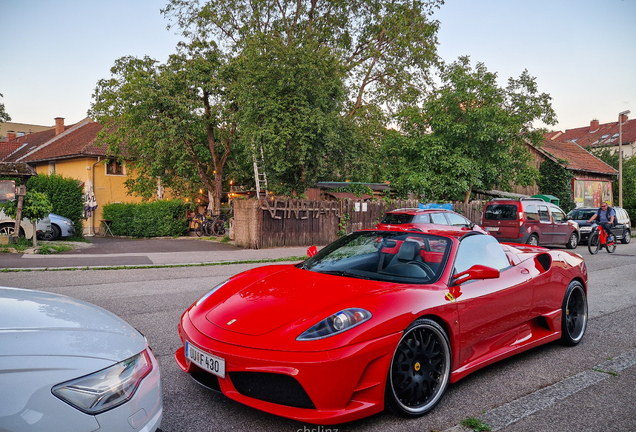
x=543 y=262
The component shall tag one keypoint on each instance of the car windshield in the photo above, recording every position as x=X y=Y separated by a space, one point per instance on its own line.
x=397 y=218
x=411 y=258
x=577 y=214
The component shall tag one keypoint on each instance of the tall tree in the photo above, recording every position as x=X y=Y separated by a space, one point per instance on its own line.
x=173 y=121
x=386 y=47
x=4 y=116
x=471 y=133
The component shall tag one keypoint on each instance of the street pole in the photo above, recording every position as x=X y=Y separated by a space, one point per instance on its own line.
x=620 y=155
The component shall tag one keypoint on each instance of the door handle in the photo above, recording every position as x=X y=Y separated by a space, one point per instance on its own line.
x=525 y=271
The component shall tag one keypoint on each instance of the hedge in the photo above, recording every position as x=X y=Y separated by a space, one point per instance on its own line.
x=152 y=219
x=64 y=193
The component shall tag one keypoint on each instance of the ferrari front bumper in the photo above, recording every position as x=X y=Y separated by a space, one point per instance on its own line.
x=343 y=384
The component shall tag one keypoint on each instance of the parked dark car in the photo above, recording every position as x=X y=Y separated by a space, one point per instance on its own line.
x=529 y=220
x=622 y=230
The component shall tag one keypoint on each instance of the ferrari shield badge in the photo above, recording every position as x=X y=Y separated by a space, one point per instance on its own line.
x=231 y=322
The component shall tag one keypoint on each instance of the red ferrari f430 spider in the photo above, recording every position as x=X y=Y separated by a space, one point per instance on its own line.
x=379 y=319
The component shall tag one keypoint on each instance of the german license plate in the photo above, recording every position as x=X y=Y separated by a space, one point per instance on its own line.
x=493 y=228
x=207 y=362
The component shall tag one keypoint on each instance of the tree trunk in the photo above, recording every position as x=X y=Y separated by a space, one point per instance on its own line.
x=467 y=197
x=35 y=235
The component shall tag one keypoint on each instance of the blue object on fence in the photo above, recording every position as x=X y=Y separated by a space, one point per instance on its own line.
x=428 y=206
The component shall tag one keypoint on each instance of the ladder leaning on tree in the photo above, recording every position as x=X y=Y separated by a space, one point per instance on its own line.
x=259 y=173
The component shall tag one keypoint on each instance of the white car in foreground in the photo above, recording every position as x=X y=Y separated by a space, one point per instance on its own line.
x=67 y=365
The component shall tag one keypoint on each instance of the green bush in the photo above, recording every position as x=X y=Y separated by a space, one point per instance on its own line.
x=64 y=193
x=153 y=219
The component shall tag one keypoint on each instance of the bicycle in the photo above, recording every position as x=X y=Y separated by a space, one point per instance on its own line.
x=201 y=225
x=598 y=240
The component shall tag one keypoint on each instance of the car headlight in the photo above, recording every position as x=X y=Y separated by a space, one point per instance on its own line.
x=67 y=223
x=337 y=323
x=212 y=291
x=108 y=388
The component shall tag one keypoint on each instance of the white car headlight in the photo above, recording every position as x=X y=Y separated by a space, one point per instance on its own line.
x=108 y=388
x=337 y=323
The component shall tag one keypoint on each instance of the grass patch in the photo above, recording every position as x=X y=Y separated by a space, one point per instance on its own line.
x=476 y=425
x=22 y=245
x=612 y=373
x=48 y=249
x=225 y=239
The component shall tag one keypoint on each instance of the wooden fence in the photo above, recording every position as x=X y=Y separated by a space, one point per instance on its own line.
x=281 y=221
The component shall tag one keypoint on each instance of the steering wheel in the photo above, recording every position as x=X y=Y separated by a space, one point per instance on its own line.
x=429 y=271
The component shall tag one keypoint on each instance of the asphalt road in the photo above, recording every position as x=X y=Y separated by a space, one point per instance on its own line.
x=153 y=299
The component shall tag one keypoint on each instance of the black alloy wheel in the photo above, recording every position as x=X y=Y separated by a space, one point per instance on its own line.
x=573 y=242
x=593 y=243
x=420 y=370
x=574 y=314
x=611 y=247
x=219 y=227
x=627 y=236
x=533 y=240
x=57 y=232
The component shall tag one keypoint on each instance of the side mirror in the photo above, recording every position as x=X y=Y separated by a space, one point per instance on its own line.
x=476 y=272
x=311 y=251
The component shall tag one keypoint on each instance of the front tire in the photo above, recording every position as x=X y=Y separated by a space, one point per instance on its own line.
x=611 y=248
x=420 y=370
x=574 y=314
x=533 y=240
x=573 y=242
x=627 y=237
x=593 y=243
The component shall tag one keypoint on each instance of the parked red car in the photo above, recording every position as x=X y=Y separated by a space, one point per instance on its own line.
x=379 y=319
x=530 y=220
x=430 y=220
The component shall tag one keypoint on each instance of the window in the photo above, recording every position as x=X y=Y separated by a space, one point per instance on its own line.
x=480 y=249
x=501 y=212
x=397 y=218
x=423 y=218
x=114 y=167
x=531 y=213
x=457 y=220
x=52 y=167
x=557 y=215
x=544 y=216
x=438 y=218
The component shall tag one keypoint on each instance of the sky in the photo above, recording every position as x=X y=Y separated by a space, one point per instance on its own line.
x=582 y=52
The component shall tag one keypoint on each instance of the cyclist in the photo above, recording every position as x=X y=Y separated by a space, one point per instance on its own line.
x=605 y=216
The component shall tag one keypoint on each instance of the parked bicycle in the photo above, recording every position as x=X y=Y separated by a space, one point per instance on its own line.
x=599 y=240
x=210 y=226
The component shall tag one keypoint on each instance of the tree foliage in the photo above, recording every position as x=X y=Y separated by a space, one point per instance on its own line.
x=471 y=133
x=4 y=116
x=174 y=121
x=36 y=206
x=385 y=47
x=556 y=180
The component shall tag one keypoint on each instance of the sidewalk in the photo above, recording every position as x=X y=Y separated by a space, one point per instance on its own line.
x=147 y=252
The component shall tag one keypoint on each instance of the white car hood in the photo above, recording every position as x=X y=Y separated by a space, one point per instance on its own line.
x=36 y=323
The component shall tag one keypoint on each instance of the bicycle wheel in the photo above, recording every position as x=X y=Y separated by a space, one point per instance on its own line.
x=593 y=243
x=198 y=225
x=209 y=228
x=219 y=227
x=611 y=247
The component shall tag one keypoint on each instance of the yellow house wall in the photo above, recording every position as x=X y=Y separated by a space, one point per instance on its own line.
x=108 y=188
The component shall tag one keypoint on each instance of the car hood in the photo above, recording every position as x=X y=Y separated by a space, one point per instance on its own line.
x=36 y=323
x=288 y=296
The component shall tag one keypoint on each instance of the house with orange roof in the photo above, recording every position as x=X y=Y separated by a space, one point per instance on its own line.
x=71 y=151
x=607 y=135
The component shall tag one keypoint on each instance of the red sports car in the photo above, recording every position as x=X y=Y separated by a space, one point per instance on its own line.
x=433 y=221
x=379 y=319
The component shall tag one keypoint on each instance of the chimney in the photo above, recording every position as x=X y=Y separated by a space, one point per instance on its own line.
x=594 y=125
x=59 y=125
x=624 y=118
x=11 y=135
